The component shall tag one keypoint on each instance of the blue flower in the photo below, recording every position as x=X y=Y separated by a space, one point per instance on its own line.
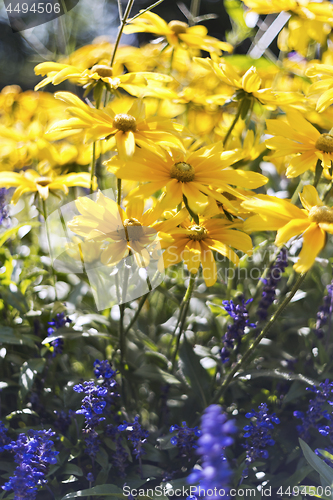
x=33 y=454
x=271 y=283
x=257 y=433
x=136 y=434
x=120 y=456
x=185 y=440
x=58 y=322
x=215 y=437
x=4 y=439
x=235 y=332
x=316 y=410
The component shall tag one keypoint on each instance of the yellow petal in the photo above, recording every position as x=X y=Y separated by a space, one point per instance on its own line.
x=293 y=228
x=310 y=197
x=314 y=240
x=208 y=263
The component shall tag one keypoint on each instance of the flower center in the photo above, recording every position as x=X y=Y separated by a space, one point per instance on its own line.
x=325 y=143
x=178 y=27
x=133 y=229
x=321 y=214
x=124 y=122
x=43 y=181
x=102 y=70
x=197 y=233
x=183 y=172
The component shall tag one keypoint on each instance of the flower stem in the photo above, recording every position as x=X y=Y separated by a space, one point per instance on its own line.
x=118 y=192
x=257 y=341
x=182 y=315
x=194 y=9
x=49 y=245
x=92 y=174
x=225 y=140
x=123 y=20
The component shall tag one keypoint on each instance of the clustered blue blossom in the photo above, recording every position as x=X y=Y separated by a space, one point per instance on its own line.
x=316 y=411
x=235 y=332
x=4 y=438
x=58 y=322
x=257 y=433
x=215 y=437
x=185 y=440
x=97 y=401
x=33 y=454
x=324 y=312
x=120 y=456
x=136 y=434
x=270 y=284
x=4 y=214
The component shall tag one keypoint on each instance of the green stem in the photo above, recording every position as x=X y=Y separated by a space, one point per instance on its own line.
x=194 y=9
x=49 y=245
x=121 y=29
x=183 y=313
x=118 y=192
x=232 y=126
x=257 y=341
x=92 y=174
x=297 y=190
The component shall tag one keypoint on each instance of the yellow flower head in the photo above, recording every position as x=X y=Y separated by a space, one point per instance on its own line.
x=177 y=33
x=124 y=130
x=312 y=222
x=296 y=136
x=193 y=244
x=190 y=175
x=31 y=181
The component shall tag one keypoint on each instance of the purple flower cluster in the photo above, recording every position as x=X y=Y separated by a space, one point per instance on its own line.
x=58 y=322
x=4 y=439
x=33 y=454
x=235 y=332
x=271 y=283
x=185 y=440
x=120 y=456
x=324 y=313
x=97 y=401
x=215 y=473
x=136 y=434
x=257 y=433
x=316 y=410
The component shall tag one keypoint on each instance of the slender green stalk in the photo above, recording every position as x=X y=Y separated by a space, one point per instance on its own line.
x=148 y=9
x=118 y=191
x=232 y=126
x=297 y=190
x=182 y=314
x=49 y=245
x=92 y=173
x=194 y=9
x=257 y=341
x=121 y=29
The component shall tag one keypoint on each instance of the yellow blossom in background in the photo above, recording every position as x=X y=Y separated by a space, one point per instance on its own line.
x=193 y=244
x=122 y=232
x=296 y=136
x=312 y=222
x=193 y=175
x=177 y=33
x=31 y=181
x=322 y=90
x=124 y=131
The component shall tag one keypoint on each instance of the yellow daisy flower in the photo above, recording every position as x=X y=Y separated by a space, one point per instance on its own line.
x=124 y=131
x=193 y=244
x=186 y=174
x=119 y=231
x=177 y=33
x=312 y=222
x=30 y=181
x=322 y=90
x=296 y=136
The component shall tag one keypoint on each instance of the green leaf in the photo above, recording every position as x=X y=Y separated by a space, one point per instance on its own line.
x=15 y=299
x=9 y=336
x=153 y=372
x=28 y=372
x=192 y=369
x=72 y=469
x=13 y=230
x=106 y=490
x=316 y=463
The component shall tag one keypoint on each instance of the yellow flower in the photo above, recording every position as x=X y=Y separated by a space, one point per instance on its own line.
x=296 y=136
x=193 y=244
x=322 y=90
x=121 y=232
x=190 y=175
x=137 y=84
x=177 y=33
x=321 y=11
x=312 y=222
x=30 y=182
x=124 y=130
